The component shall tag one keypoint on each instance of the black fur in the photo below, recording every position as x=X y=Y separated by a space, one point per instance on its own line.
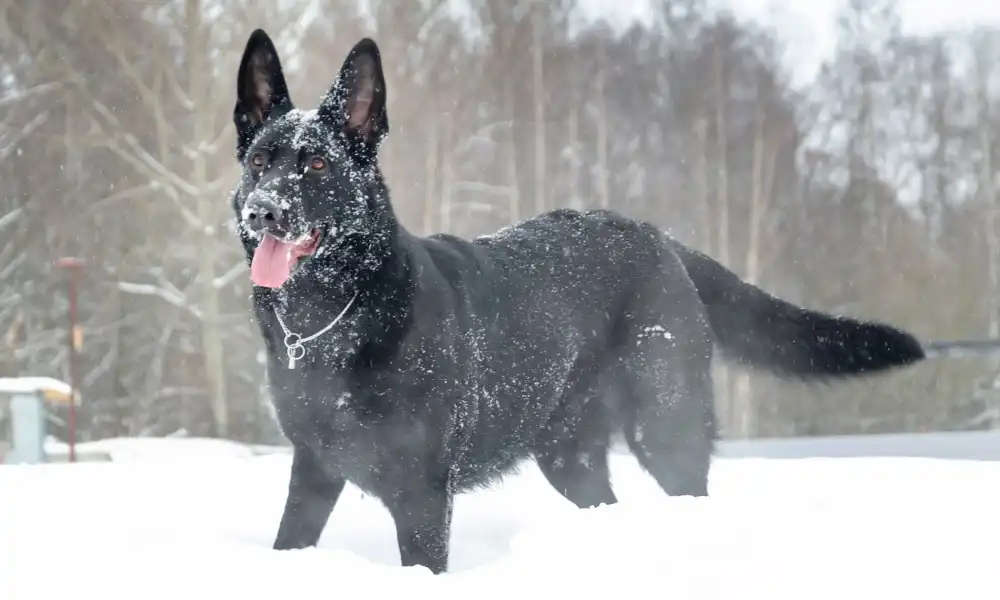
x=765 y=332
x=459 y=359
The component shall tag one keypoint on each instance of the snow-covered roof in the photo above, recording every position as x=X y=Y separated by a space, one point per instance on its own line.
x=54 y=390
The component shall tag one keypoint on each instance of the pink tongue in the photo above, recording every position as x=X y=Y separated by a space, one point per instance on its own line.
x=272 y=262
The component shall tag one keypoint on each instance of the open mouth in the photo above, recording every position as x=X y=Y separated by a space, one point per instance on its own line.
x=274 y=259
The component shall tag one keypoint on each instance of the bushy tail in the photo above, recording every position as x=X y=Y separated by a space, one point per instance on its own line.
x=764 y=332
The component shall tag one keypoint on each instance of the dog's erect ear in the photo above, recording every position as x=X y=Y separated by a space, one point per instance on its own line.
x=356 y=102
x=260 y=89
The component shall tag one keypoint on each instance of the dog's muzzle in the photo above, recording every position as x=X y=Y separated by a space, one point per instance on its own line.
x=262 y=215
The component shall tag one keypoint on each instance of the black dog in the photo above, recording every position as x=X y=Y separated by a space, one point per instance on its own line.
x=418 y=368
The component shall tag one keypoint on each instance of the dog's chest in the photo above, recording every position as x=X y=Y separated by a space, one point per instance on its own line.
x=358 y=428
x=312 y=406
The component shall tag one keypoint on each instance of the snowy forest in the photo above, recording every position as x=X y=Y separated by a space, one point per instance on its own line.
x=870 y=190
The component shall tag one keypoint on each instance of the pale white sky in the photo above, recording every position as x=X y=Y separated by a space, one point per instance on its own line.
x=808 y=25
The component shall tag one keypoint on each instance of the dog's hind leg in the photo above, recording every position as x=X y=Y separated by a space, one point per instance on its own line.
x=312 y=494
x=573 y=455
x=668 y=409
x=670 y=429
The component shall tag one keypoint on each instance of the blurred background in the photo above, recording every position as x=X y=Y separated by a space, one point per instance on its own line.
x=850 y=168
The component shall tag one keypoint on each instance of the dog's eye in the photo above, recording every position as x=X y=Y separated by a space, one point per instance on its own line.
x=258 y=160
x=317 y=163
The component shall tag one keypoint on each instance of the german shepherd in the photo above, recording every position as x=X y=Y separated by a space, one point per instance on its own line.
x=421 y=367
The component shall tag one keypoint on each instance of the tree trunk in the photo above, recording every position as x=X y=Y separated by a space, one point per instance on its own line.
x=576 y=201
x=989 y=199
x=729 y=401
x=447 y=174
x=746 y=407
x=432 y=203
x=706 y=235
x=539 y=101
x=514 y=202
x=201 y=125
x=603 y=192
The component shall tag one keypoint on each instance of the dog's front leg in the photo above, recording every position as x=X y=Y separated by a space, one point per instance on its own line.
x=422 y=515
x=312 y=494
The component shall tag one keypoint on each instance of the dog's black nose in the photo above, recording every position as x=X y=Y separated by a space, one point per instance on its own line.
x=263 y=215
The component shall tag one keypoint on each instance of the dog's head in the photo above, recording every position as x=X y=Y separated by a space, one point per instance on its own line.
x=310 y=179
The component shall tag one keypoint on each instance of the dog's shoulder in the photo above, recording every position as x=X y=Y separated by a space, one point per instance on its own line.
x=451 y=254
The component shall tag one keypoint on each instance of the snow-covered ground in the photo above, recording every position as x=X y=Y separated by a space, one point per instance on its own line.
x=149 y=449
x=194 y=524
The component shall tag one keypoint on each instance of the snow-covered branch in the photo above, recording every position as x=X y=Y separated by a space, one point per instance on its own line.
x=230 y=275
x=10 y=217
x=173 y=297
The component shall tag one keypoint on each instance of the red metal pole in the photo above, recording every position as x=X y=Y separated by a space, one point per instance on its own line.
x=72 y=365
x=74 y=266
